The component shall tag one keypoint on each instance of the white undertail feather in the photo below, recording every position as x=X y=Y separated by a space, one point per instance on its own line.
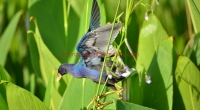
x=128 y=72
x=110 y=76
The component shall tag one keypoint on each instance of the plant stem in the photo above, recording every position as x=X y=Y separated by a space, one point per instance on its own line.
x=107 y=49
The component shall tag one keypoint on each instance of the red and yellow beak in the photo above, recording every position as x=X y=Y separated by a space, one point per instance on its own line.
x=58 y=77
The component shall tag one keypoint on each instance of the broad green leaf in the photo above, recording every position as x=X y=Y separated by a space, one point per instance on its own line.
x=47 y=98
x=52 y=30
x=6 y=38
x=4 y=75
x=192 y=43
x=34 y=54
x=187 y=78
x=194 y=8
x=77 y=6
x=76 y=97
x=47 y=60
x=55 y=98
x=48 y=63
x=192 y=49
x=158 y=94
x=151 y=35
x=3 y=101
x=73 y=96
x=20 y=99
x=122 y=105
x=102 y=13
x=52 y=97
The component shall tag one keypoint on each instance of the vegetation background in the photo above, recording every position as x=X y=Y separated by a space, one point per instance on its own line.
x=36 y=36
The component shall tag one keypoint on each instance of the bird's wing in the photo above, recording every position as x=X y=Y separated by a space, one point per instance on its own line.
x=93 y=45
x=95 y=16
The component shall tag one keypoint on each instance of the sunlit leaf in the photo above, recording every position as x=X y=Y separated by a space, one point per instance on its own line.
x=47 y=98
x=192 y=49
x=4 y=78
x=158 y=94
x=122 y=105
x=188 y=82
x=3 y=101
x=20 y=99
x=151 y=35
x=194 y=8
x=6 y=37
x=74 y=97
x=4 y=75
x=47 y=63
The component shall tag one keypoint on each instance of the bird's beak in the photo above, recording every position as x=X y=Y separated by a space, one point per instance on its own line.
x=58 y=77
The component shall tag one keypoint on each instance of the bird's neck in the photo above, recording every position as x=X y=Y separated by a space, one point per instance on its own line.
x=74 y=70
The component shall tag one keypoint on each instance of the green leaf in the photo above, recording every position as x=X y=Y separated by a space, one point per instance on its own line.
x=4 y=75
x=47 y=60
x=20 y=99
x=151 y=35
x=47 y=63
x=72 y=99
x=132 y=39
x=4 y=78
x=75 y=99
x=187 y=78
x=122 y=105
x=192 y=49
x=50 y=100
x=194 y=8
x=6 y=38
x=48 y=92
x=192 y=43
x=52 y=30
x=158 y=94
x=3 y=101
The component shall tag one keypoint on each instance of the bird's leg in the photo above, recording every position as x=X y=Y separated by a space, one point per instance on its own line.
x=113 y=92
x=96 y=100
x=98 y=105
x=102 y=105
x=90 y=103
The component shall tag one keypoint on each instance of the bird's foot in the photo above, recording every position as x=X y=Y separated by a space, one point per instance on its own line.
x=96 y=100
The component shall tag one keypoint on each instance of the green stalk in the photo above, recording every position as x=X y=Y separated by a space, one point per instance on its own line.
x=86 y=23
x=107 y=49
x=66 y=15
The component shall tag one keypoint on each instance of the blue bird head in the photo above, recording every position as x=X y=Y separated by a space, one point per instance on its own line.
x=62 y=70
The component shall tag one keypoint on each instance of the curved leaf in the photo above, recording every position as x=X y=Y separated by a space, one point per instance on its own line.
x=188 y=82
x=20 y=99
x=151 y=35
x=75 y=99
x=47 y=63
x=122 y=105
x=4 y=78
x=158 y=94
x=4 y=75
x=192 y=50
x=194 y=8
x=6 y=38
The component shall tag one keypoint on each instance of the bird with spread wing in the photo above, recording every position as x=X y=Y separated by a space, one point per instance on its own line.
x=93 y=50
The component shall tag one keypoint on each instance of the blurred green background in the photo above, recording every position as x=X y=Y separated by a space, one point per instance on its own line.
x=36 y=35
